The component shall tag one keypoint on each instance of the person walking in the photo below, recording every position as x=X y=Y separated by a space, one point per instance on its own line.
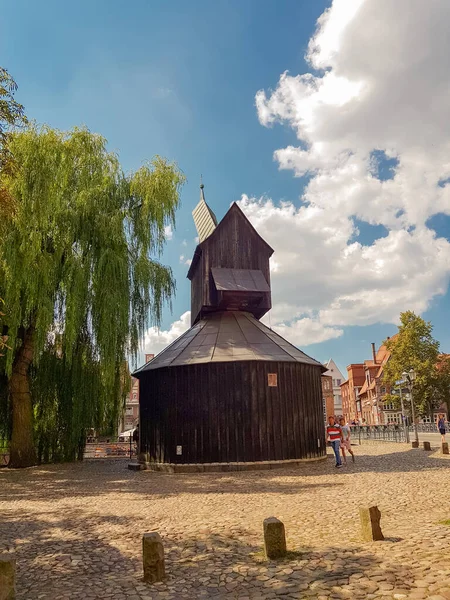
x=334 y=436
x=136 y=438
x=345 y=441
x=441 y=426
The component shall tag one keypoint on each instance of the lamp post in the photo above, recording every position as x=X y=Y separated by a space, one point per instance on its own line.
x=410 y=378
x=406 y=429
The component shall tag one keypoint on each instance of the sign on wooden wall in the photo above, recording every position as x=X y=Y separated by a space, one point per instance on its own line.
x=272 y=379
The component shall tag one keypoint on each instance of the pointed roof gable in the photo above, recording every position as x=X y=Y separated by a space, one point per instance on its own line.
x=332 y=366
x=233 y=210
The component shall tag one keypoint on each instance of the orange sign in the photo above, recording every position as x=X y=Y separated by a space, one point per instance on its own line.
x=272 y=379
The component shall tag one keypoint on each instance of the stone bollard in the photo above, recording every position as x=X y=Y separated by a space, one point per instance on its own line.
x=153 y=557
x=7 y=577
x=370 y=524
x=444 y=448
x=274 y=538
x=426 y=446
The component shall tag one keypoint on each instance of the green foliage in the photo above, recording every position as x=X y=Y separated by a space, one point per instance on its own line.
x=80 y=264
x=391 y=399
x=11 y=112
x=415 y=348
x=3 y=338
x=11 y=115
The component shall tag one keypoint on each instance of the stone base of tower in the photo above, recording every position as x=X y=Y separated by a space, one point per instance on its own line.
x=228 y=467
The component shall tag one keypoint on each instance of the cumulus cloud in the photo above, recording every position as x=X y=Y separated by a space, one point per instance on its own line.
x=377 y=93
x=168 y=231
x=380 y=91
x=184 y=260
x=156 y=339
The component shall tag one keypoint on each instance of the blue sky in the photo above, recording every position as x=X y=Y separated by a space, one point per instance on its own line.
x=179 y=79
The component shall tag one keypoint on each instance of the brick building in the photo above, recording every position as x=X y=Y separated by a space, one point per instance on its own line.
x=374 y=412
x=364 y=391
x=351 y=406
x=130 y=417
x=328 y=398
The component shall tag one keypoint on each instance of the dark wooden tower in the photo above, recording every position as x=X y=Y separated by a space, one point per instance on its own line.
x=230 y=392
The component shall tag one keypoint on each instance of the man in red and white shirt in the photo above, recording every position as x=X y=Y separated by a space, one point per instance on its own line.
x=334 y=436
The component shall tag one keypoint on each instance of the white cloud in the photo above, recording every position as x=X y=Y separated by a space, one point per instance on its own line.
x=168 y=232
x=305 y=331
x=382 y=85
x=184 y=260
x=380 y=82
x=156 y=340
x=184 y=243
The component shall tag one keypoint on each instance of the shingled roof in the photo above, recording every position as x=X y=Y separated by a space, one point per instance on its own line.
x=228 y=336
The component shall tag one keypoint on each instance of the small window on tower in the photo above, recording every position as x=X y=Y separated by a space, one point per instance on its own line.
x=272 y=379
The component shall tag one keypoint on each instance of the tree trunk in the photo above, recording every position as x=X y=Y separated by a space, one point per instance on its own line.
x=22 y=451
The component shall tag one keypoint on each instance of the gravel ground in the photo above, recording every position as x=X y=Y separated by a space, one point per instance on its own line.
x=77 y=528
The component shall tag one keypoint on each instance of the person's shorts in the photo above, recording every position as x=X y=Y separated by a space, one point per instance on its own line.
x=442 y=431
x=345 y=444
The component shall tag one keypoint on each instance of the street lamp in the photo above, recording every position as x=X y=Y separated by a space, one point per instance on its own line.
x=410 y=378
x=405 y=428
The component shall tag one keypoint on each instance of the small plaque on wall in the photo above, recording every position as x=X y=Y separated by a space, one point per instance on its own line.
x=179 y=450
x=272 y=379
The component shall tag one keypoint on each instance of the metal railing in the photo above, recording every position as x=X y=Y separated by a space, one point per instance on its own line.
x=427 y=428
x=382 y=433
x=110 y=449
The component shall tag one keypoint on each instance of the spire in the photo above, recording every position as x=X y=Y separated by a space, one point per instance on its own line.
x=204 y=218
x=202 y=195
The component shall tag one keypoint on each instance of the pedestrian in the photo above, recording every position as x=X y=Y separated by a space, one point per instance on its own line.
x=334 y=436
x=136 y=438
x=441 y=426
x=345 y=441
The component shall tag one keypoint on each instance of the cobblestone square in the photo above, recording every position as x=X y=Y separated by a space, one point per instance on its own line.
x=77 y=529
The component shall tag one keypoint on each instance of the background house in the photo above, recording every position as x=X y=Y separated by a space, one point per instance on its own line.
x=337 y=380
x=130 y=415
x=328 y=398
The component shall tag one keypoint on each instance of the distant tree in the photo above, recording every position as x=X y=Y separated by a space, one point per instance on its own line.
x=439 y=390
x=12 y=115
x=11 y=112
x=81 y=280
x=415 y=348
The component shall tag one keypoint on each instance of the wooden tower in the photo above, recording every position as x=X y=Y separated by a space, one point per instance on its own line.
x=230 y=393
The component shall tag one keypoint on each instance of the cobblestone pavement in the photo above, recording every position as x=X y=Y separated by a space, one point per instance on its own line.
x=77 y=529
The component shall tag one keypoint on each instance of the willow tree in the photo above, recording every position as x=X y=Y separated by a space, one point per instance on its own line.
x=81 y=281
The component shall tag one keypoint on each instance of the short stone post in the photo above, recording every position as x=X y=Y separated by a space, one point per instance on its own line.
x=370 y=524
x=444 y=448
x=415 y=444
x=7 y=577
x=427 y=446
x=153 y=557
x=274 y=538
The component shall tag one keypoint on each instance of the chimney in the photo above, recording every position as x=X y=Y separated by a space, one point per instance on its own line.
x=374 y=354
